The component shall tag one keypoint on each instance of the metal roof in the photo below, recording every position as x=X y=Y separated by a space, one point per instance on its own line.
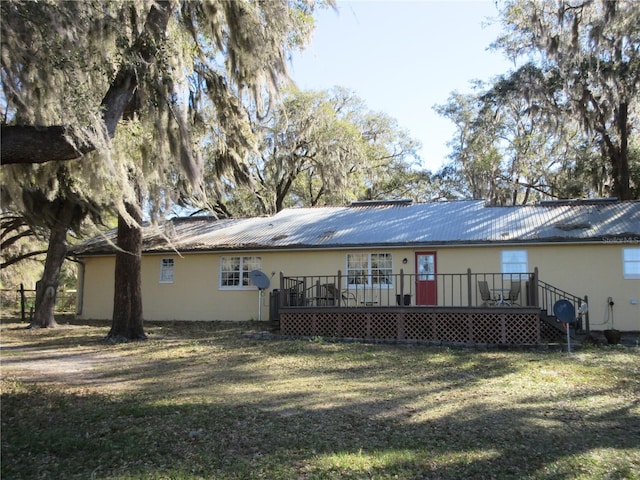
x=394 y=224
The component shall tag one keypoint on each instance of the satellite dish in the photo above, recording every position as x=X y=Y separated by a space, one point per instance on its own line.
x=564 y=311
x=259 y=279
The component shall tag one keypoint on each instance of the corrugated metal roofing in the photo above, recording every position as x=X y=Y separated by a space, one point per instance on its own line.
x=394 y=224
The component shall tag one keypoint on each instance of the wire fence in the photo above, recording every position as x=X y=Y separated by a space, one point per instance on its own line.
x=23 y=300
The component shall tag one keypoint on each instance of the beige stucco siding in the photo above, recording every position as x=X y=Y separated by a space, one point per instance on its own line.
x=97 y=288
x=596 y=271
x=195 y=294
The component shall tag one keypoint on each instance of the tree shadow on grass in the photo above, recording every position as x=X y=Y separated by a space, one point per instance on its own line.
x=48 y=434
x=158 y=431
x=216 y=406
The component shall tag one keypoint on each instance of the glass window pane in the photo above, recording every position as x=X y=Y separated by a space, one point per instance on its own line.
x=631 y=254
x=514 y=261
x=230 y=263
x=166 y=270
x=631 y=263
x=252 y=263
x=381 y=269
x=357 y=260
x=230 y=271
x=229 y=279
x=369 y=269
x=514 y=256
x=249 y=264
x=426 y=267
x=357 y=268
x=632 y=270
x=512 y=268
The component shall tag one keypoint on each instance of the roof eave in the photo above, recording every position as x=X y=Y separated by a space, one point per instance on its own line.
x=610 y=239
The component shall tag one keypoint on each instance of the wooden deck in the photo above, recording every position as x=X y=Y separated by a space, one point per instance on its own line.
x=333 y=306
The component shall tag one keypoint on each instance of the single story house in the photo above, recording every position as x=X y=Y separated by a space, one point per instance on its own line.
x=199 y=268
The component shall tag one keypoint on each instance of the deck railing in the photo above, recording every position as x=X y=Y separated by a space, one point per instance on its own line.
x=407 y=289
x=466 y=307
x=547 y=295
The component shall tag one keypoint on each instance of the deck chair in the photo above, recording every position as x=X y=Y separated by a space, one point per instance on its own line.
x=322 y=295
x=514 y=293
x=345 y=296
x=485 y=293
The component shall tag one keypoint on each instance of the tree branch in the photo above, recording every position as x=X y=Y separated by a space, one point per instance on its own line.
x=40 y=144
x=11 y=223
x=19 y=258
x=10 y=241
x=32 y=144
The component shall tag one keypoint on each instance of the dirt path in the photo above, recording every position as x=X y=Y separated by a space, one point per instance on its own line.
x=41 y=360
x=45 y=365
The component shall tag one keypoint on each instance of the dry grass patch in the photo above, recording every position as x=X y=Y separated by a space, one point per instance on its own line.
x=203 y=401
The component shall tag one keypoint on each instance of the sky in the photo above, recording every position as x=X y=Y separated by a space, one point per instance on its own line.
x=402 y=58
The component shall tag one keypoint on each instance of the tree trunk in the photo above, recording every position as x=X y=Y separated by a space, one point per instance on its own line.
x=619 y=156
x=127 y=323
x=47 y=286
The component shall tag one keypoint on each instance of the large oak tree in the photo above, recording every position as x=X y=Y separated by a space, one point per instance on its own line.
x=181 y=70
x=593 y=46
x=565 y=122
x=323 y=148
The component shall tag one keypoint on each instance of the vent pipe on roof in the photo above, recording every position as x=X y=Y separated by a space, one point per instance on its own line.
x=578 y=201
x=382 y=203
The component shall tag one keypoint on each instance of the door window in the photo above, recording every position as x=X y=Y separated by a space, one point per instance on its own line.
x=426 y=267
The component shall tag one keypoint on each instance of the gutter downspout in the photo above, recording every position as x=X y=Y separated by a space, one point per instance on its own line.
x=80 y=294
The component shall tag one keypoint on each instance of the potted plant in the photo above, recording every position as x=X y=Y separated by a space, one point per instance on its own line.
x=612 y=335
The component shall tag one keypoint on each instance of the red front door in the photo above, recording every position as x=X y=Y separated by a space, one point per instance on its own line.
x=426 y=275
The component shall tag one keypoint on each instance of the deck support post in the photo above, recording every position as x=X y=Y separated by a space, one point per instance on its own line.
x=469 y=296
x=282 y=293
x=586 y=315
x=534 y=288
x=304 y=292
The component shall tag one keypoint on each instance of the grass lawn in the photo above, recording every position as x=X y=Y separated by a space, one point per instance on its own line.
x=202 y=401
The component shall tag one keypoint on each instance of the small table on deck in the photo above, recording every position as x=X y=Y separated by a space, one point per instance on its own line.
x=501 y=300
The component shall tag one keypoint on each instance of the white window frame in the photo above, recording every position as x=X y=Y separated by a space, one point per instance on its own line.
x=631 y=263
x=245 y=263
x=167 y=270
x=363 y=268
x=511 y=266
